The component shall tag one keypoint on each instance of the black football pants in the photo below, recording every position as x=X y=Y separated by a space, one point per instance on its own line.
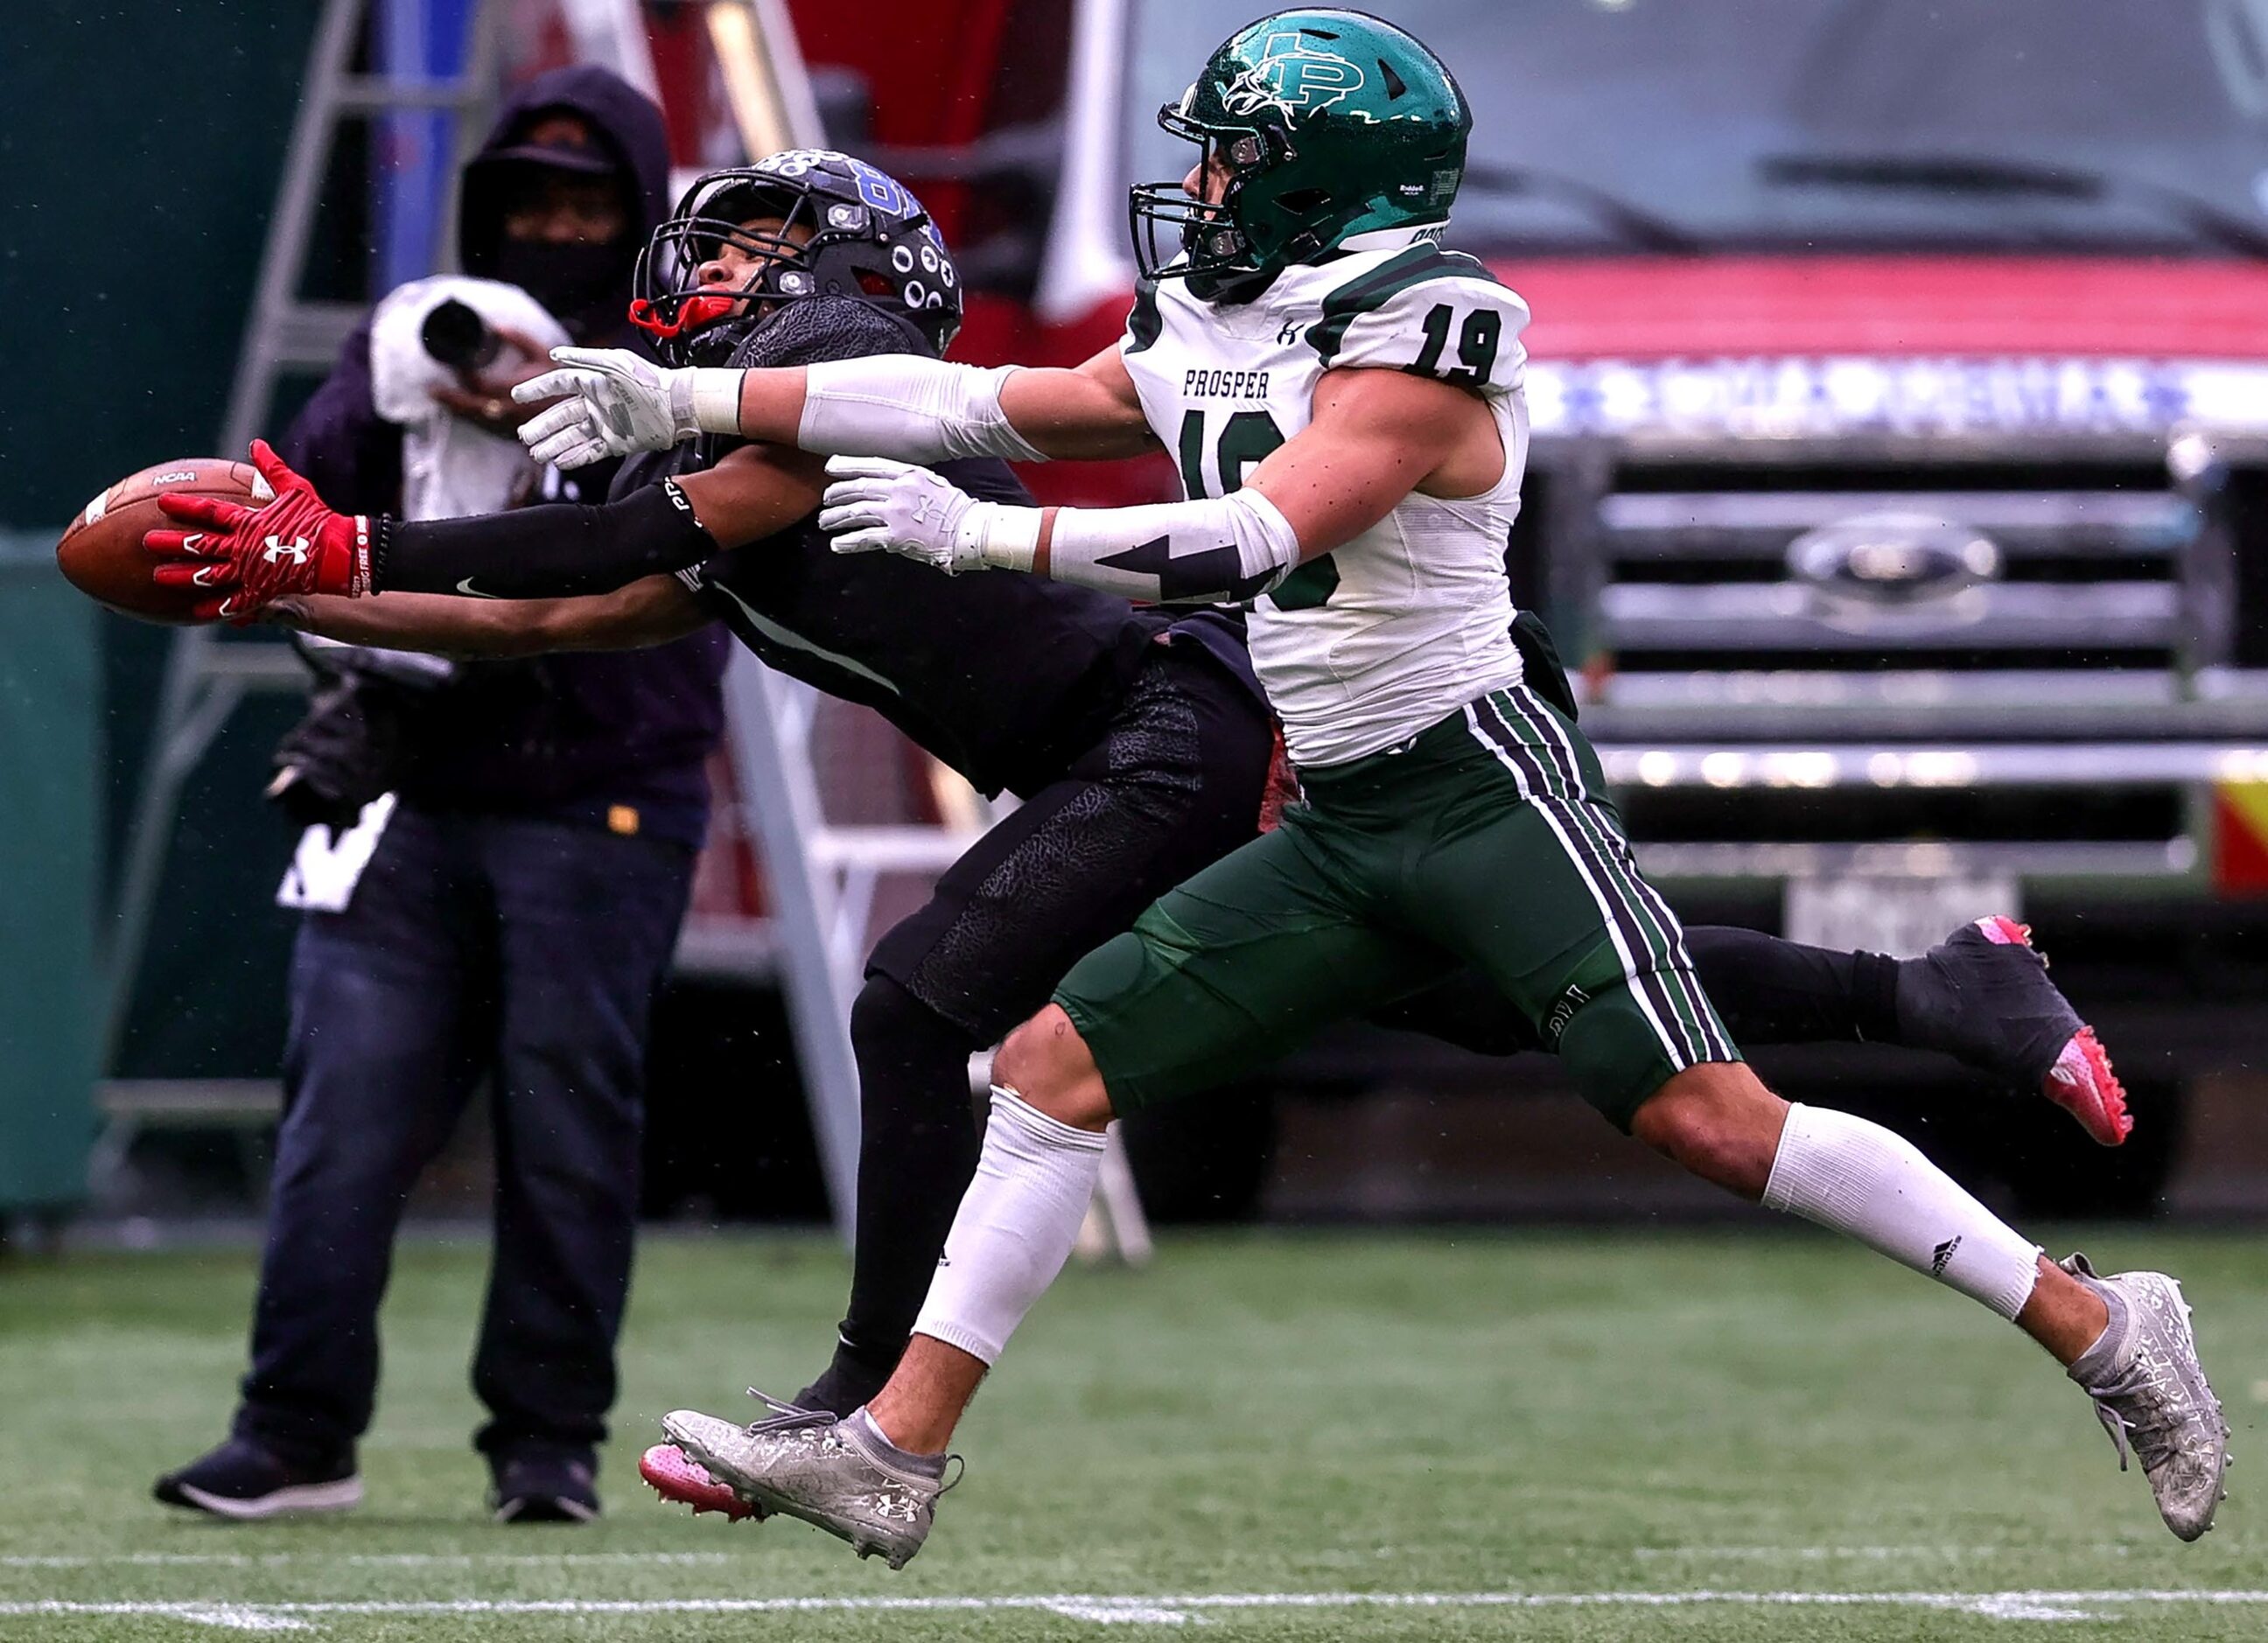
x=1172 y=783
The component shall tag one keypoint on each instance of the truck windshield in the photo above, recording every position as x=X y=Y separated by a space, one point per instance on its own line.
x=1827 y=125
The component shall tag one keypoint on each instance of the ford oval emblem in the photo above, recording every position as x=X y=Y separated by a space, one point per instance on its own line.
x=1890 y=561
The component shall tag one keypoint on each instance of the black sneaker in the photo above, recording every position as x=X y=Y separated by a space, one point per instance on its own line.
x=545 y=1489
x=243 y=1481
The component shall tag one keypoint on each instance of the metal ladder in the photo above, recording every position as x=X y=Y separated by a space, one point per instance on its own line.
x=824 y=875
x=208 y=675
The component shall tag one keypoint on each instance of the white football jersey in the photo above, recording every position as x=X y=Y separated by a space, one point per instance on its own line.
x=1368 y=644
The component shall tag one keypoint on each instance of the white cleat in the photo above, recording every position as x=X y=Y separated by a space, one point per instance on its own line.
x=806 y=1464
x=2151 y=1395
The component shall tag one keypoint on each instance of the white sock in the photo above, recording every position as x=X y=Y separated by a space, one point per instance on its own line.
x=1014 y=1228
x=1861 y=1179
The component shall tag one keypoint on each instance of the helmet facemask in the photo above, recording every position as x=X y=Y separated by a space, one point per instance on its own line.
x=694 y=324
x=835 y=227
x=1180 y=235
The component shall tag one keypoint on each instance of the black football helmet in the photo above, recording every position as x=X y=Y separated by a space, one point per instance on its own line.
x=869 y=240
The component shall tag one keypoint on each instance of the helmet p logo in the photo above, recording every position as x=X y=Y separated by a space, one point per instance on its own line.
x=1291 y=75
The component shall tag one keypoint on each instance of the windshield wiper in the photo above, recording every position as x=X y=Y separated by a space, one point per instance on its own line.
x=1632 y=224
x=1986 y=175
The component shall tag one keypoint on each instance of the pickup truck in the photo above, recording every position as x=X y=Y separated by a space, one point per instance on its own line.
x=1899 y=485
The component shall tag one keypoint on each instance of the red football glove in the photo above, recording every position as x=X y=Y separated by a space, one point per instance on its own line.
x=295 y=544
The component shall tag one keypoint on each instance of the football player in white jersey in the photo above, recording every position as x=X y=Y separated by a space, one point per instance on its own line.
x=1344 y=398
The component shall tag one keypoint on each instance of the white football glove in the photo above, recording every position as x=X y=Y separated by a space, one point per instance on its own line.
x=617 y=403
x=874 y=503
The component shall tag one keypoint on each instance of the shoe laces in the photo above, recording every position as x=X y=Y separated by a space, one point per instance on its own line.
x=2148 y=1412
x=785 y=1417
x=2145 y=1408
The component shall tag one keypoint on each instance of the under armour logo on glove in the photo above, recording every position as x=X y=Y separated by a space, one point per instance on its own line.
x=296 y=544
x=873 y=503
x=611 y=403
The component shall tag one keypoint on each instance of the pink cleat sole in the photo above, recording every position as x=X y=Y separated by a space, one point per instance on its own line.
x=685 y=1481
x=2082 y=1081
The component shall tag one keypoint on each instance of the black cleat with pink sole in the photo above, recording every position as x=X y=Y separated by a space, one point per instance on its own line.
x=1983 y=996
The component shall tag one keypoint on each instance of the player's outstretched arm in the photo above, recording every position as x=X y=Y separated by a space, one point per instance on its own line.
x=298 y=545
x=906 y=407
x=563 y=550
x=651 y=611
x=1377 y=436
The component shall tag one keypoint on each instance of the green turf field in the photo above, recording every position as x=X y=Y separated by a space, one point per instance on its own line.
x=1364 y=1436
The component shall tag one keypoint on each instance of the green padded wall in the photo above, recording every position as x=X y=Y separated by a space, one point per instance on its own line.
x=141 y=149
x=50 y=765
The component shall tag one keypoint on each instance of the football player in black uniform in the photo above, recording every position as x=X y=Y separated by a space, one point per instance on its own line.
x=1137 y=738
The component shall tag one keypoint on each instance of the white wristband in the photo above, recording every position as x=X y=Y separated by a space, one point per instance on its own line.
x=1007 y=537
x=715 y=400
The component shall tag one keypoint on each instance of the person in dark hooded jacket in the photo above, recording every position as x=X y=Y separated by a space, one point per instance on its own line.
x=513 y=925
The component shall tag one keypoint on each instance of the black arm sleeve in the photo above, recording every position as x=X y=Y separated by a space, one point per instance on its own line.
x=551 y=552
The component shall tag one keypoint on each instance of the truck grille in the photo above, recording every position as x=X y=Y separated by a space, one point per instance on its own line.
x=2086 y=579
x=2058 y=706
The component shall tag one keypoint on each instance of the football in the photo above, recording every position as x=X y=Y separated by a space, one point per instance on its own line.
x=101 y=554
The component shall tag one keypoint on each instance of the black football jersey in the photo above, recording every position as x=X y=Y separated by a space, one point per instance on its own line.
x=1004 y=677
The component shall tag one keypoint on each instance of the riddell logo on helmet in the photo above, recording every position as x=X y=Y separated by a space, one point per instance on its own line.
x=1291 y=75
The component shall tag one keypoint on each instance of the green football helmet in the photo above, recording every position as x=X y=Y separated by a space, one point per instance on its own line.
x=1330 y=123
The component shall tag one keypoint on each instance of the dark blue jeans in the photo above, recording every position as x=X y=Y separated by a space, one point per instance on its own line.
x=528 y=951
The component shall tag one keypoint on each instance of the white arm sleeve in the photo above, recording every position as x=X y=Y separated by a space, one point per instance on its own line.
x=909 y=409
x=1216 y=549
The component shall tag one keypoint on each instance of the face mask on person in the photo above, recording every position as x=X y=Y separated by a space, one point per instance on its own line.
x=585 y=286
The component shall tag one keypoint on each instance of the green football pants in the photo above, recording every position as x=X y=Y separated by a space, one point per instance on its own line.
x=1488 y=840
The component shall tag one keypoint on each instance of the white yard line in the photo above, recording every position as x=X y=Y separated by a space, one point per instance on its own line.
x=363 y=1559
x=241 y=1618
x=666 y=1559
x=1108 y=1609
x=2108 y=1549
